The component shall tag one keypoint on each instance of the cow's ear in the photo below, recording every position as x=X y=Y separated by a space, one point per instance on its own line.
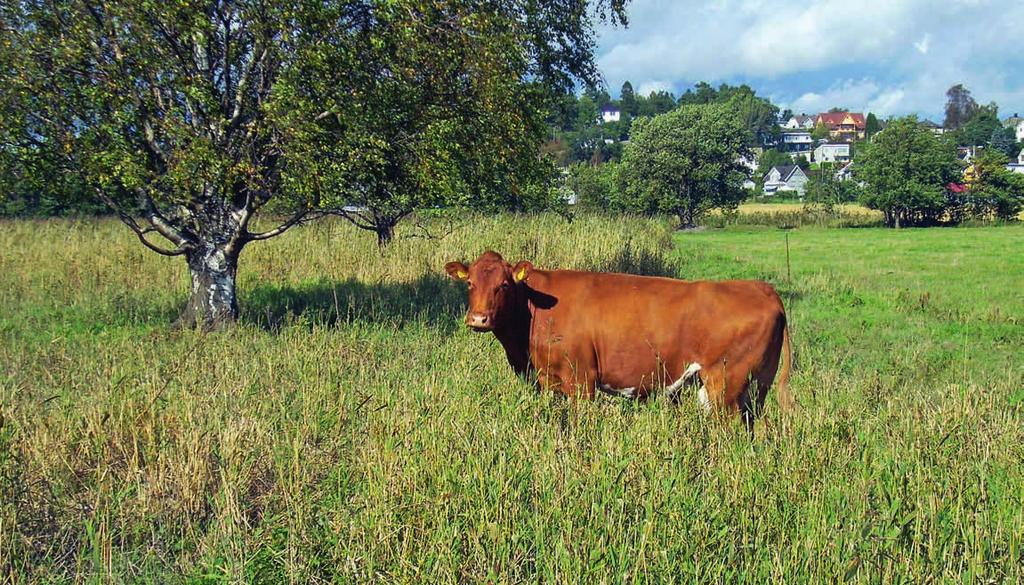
x=522 y=271
x=457 y=270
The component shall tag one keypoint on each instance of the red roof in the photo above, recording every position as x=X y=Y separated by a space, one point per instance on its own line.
x=956 y=187
x=833 y=119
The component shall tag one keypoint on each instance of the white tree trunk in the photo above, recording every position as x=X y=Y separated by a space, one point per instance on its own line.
x=213 y=303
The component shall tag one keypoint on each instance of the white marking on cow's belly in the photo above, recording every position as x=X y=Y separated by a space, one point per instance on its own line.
x=624 y=392
x=702 y=398
x=690 y=372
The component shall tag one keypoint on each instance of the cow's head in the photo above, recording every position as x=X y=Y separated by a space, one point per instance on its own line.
x=494 y=289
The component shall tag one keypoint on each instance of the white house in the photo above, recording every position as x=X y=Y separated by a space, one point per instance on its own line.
x=785 y=178
x=610 y=114
x=797 y=143
x=1017 y=123
x=1017 y=167
x=801 y=122
x=936 y=129
x=831 y=152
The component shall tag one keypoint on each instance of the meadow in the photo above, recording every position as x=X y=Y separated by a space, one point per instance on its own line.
x=350 y=429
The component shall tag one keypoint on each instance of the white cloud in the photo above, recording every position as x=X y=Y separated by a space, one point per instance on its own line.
x=863 y=95
x=649 y=87
x=922 y=45
x=888 y=56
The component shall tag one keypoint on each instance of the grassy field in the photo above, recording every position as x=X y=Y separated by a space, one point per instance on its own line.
x=351 y=429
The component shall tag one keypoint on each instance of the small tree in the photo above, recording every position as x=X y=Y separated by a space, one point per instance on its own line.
x=1003 y=140
x=594 y=186
x=978 y=130
x=996 y=192
x=960 y=107
x=820 y=132
x=628 y=98
x=657 y=102
x=871 y=125
x=906 y=169
x=685 y=162
x=824 y=189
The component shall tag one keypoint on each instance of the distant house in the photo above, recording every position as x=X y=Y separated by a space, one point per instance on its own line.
x=1017 y=123
x=842 y=126
x=845 y=173
x=970 y=175
x=801 y=122
x=750 y=165
x=966 y=153
x=785 y=178
x=610 y=113
x=798 y=142
x=831 y=152
x=1017 y=167
x=936 y=129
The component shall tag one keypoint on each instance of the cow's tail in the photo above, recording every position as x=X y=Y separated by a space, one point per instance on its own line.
x=786 y=402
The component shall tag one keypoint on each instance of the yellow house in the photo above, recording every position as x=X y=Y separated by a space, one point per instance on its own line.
x=971 y=175
x=843 y=126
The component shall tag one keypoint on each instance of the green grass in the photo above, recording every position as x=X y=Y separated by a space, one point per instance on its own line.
x=351 y=430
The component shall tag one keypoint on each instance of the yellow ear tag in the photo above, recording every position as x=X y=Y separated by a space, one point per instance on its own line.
x=462 y=274
x=519 y=276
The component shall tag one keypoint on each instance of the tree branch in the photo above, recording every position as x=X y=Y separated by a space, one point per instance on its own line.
x=304 y=216
x=129 y=221
x=159 y=221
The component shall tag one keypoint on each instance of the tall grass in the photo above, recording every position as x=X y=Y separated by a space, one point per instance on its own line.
x=792 y=215
x=351 y=430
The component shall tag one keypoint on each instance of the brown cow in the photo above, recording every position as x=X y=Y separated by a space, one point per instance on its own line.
x=628 y=335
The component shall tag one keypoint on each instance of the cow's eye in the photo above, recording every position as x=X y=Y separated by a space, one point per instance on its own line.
x=504 y=285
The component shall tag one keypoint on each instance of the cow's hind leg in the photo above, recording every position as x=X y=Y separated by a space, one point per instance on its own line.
x=727 y=390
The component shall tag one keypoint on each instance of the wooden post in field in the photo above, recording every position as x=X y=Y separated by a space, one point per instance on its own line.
x=789 y=272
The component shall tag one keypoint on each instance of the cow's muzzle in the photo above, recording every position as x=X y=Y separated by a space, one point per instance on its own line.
x=480 y=322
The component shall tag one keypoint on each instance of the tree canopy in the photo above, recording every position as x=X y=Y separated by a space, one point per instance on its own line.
x=960 y=106
x=906 y=169
x=995 y=192
x=685 y=162
x=190 y=118
x=759 y=115
x=979 y=128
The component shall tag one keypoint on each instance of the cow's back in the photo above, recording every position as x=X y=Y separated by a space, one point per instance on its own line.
x=644 y=331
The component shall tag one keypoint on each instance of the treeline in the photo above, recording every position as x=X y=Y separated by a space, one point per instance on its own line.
x=685 y=163
x=579 y=132
x=688 y=162
x=972 y=124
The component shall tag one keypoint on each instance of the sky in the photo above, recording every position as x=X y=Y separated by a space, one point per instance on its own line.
x=891 y=57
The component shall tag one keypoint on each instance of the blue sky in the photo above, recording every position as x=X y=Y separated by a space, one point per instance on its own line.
x=891 y=57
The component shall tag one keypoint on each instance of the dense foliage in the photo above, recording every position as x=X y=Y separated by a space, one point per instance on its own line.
x=994 y=192
x=759 y=115
x=189 y=118
x=686 y=162
x=906 y=169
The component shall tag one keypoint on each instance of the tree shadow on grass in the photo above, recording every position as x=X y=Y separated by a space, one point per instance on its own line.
x=433 y=299
x=430 y=299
